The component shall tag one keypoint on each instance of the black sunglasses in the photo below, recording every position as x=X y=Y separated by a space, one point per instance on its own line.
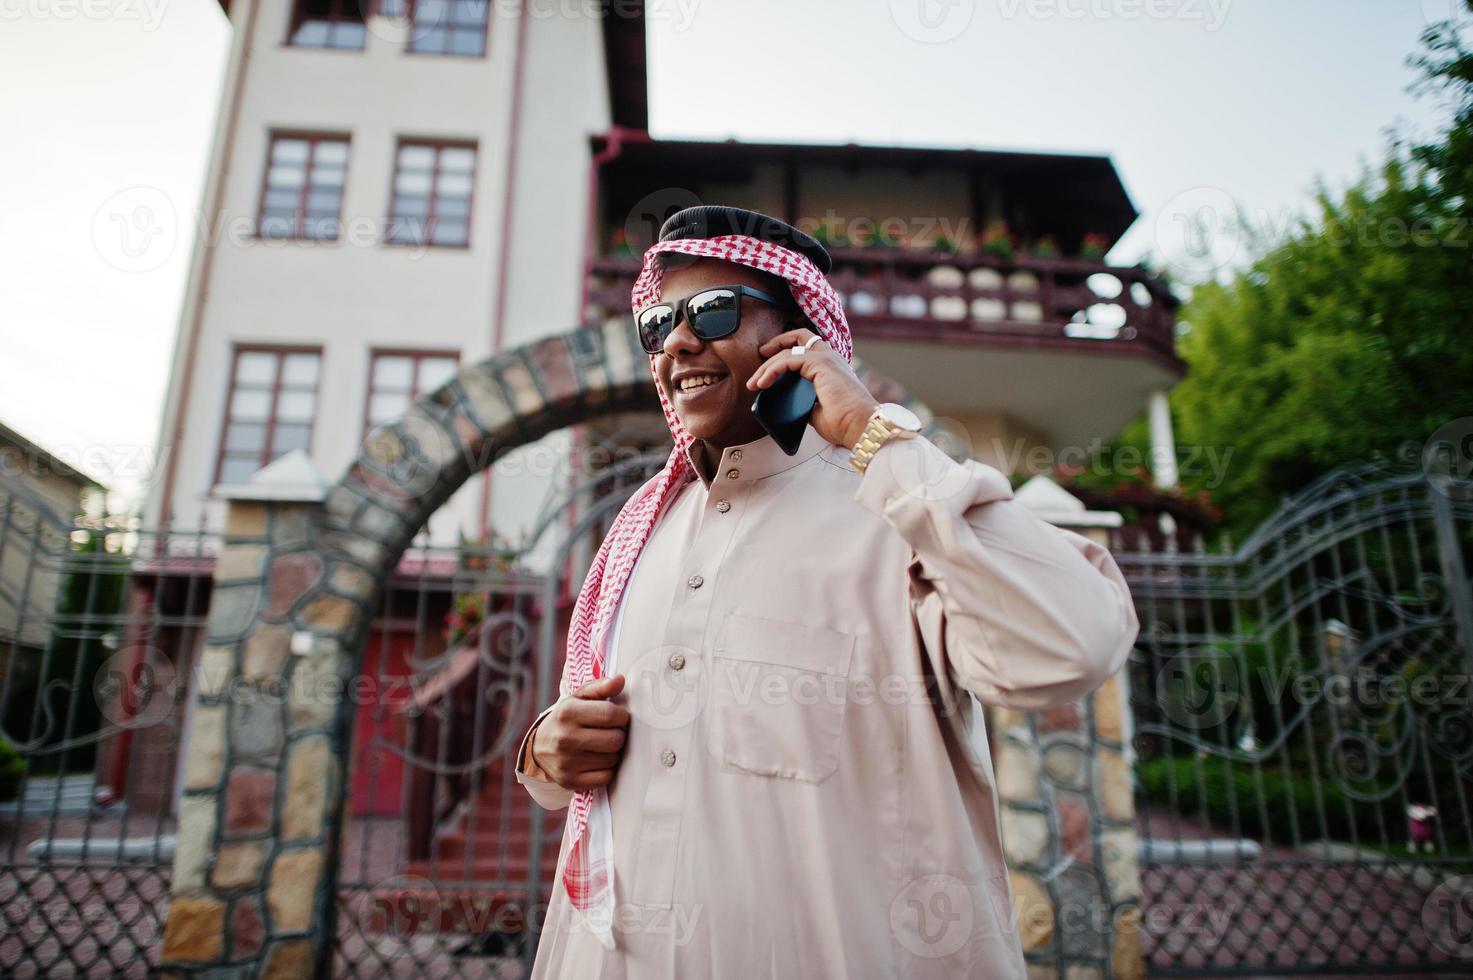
x=712 y=314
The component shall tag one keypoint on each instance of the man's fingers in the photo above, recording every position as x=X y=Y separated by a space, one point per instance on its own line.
x=788 y=338
x=595 y=714
x=591 y=779
x=768 y=371
x=575 y=742
x=601 y=689
x=604 y=740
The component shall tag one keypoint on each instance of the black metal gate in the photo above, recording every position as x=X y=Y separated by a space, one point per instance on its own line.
x=447 y=864
x=91 y=689
x=1304 y=737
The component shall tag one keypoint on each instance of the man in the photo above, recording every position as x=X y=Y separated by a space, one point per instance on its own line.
x=766 y=735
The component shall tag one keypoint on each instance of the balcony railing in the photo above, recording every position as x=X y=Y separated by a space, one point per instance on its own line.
x=901 y=294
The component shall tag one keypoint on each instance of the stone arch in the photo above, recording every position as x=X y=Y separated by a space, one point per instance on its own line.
x=296 y=584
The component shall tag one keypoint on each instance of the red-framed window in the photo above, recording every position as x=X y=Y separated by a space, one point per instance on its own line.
x=453 y=27
x=327 y=24
x=269 y=409
x=431 y=202
x=397 y=377
x=302 y=192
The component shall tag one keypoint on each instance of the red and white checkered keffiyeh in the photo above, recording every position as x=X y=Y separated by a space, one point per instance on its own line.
x=588 y=868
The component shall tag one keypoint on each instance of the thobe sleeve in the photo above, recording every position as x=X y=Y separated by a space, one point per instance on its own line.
x=548 y=794
x=1029 y=614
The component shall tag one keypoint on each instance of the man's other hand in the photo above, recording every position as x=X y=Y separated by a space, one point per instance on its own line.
x=579 y=743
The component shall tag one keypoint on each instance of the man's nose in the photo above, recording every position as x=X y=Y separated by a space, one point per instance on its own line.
x=682 y=339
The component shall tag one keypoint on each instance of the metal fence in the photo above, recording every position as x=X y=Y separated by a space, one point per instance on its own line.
x=1304 y=738
x=87 y=857
x=1301 y=726
x=447 y=864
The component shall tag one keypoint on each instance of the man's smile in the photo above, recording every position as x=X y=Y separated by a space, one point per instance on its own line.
x=691 y=385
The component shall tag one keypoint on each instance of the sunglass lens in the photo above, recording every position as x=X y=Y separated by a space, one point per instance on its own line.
x=655 y=325
x=714 y=313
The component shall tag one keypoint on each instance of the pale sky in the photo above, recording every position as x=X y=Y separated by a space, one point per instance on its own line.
x=1201 y=104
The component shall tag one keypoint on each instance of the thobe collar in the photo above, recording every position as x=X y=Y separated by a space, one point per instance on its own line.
x=756 y=459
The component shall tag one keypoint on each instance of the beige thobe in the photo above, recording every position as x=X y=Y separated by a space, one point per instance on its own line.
x=806 y=789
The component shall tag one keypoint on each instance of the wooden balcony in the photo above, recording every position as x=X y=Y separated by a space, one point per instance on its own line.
x=1024 y=301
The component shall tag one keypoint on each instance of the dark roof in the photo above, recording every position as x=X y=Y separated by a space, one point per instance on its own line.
x=624 y=56
x=49 y=460
x=1068 y=193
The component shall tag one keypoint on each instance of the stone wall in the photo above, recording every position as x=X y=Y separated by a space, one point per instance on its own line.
x=1068 y=819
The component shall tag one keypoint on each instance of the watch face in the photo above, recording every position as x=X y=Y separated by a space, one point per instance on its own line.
x=897 y=414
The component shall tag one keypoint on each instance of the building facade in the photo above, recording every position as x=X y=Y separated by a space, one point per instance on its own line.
x=367 y=177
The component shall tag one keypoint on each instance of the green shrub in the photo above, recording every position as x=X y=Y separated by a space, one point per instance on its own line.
x=1230 y=792
x=12 y=771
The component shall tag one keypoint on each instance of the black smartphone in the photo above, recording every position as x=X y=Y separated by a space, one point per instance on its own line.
x=783 y=409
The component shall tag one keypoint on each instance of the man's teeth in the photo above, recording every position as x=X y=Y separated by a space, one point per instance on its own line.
x=698 y=381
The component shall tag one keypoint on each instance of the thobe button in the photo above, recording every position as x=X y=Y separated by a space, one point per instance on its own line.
x=732 y=474
x=667 y=758
x=677 y=661
x=736 y=455
x=695 y=581
x=722 y=506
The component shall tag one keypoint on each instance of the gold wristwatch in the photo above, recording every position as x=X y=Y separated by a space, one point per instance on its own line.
x=888 y=421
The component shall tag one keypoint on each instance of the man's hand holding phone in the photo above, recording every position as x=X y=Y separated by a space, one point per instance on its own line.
x=843 y=405
x=579 y=742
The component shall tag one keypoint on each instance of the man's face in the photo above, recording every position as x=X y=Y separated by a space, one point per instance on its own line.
x=719 y=413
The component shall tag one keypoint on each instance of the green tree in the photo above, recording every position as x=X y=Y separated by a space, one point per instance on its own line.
x=1347 y=338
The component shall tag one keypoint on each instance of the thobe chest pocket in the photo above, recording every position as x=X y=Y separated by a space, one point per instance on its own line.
x=777 y=698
